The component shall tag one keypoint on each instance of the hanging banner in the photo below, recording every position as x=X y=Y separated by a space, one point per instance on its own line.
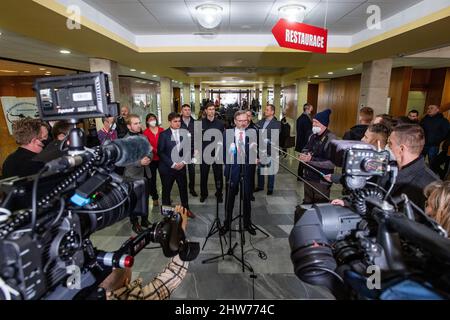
x=300 y=36
x=17 y=108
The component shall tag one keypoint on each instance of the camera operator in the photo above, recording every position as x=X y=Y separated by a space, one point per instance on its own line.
x=438 y=203
x=138 y=170
x=30 y=135
x=118 y=284
x=60 y=131
x=406 y=143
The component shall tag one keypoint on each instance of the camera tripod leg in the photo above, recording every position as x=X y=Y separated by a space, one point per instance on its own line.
x=261 y=230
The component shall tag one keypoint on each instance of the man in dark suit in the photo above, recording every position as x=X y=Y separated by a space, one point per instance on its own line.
x=172 y=164
x=270 y=127
x=238 y=157
x=211 y=122
x=187 y=122
x=303 y=127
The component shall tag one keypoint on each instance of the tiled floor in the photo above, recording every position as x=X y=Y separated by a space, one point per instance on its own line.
x=224 y=279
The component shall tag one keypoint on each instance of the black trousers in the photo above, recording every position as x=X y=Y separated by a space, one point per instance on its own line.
x=218 y=178
x=300 y=169
x=191 y=172
x=232 y=192
x=167 y=184
x=312 y=196
x=152 y=181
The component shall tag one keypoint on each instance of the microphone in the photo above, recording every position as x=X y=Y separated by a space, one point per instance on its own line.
x=232 y=149
x=253 y=146
x=127 y=151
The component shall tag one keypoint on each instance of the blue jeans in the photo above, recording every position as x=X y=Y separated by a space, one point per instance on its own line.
x=431 y=152
x=270 y=182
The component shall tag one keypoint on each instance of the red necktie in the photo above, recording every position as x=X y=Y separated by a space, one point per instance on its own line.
x=241 y=141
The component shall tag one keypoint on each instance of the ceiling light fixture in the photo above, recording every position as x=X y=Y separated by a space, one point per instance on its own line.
x=349 y=69
x=8 y=71
x=42 y=69
x=132 y=70
x=143 y=72
x=154 y=76
x=26 y=71
x=224 y=81
x=64 y=51
x=330 y=72
x=316 y=76
x=241 y=81
x=292 y=12
x=209 y=15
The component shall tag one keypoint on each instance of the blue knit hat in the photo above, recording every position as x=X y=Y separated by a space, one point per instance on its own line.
x=323 y=117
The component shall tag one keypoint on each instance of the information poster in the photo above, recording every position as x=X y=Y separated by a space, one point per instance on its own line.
x=16 y=108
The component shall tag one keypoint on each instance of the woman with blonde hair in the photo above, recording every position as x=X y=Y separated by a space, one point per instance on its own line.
x=438 y=203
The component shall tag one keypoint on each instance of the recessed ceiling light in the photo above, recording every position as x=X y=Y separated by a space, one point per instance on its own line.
x=1 y=33
x=309 y=81
x=26 y=71
x=241 y=81
x=8 y=71
x=224 y=81
x=64 y=51
x=132 y=70
x=143 y=72
x=316 y=76
x=42 y=69
x=209 y=15
x=154 y=76
x=292 y=12
x=349 y=69
x=330 y=72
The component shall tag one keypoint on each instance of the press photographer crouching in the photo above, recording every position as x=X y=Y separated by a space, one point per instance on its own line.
x=375 y=248
x=119 y=287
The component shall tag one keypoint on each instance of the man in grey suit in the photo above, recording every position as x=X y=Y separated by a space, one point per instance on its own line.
x=269 y=127
x=138 y=170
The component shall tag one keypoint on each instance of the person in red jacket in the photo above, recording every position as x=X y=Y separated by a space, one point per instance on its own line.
x=152 y=133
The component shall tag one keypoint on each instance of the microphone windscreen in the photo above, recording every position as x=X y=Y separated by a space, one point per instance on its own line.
x=131 y=149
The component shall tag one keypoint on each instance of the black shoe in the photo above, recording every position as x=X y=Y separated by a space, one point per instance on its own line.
x=203 y=198
x=251 y=230
x=269 y=193
x=252 y=198
x=193 y=193
x=220 y=198
x=223 y=230
x=145 y=223
x=257 y=189
x=136 y=227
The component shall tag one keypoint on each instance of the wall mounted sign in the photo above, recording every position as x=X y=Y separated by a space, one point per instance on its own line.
x=17 y=108
x=300 y=36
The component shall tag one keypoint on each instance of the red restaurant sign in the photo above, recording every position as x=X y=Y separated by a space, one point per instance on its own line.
x=300 y=36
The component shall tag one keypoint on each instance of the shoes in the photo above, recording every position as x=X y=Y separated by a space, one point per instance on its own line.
x=193 y=193
x=136 y=227
x=203 y=198
x=252 y=198
x=145 y=223
x=155 y=203
x=250 y=230
x=220 y=198
x=190 y=214
x=269 y=193
x=257 y=189
x=223 y=230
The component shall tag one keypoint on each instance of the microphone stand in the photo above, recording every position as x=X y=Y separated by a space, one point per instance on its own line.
x=215 y=227
x=231 y=249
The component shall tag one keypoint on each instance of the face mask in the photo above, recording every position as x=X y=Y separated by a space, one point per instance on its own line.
x=45 y=142
x=152 y=123
x=316 y=130
x=113 y=127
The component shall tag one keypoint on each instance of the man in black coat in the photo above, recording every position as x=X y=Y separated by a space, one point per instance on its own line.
x=187 y=122
x=436 y=128
x=211 y=122
x=406 y=142
x=356 y=133
x=303 y=127
x=172 y=163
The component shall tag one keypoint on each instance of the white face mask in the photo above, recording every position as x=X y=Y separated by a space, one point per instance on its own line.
x=152 y=123
x=316 y=130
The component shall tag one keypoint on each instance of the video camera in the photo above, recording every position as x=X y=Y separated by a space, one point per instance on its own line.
x=373 y=248
x=46 y=220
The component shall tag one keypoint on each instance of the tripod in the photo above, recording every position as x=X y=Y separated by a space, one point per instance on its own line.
x=215 y=227
x=231 y=249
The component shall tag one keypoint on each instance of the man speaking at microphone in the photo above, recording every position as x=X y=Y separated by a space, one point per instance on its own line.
x=240 y=157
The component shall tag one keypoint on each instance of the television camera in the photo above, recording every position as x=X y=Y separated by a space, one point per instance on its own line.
x=46 y=220
x=377 y=246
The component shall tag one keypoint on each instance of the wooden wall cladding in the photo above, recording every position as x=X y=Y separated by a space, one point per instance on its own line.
x=399 y=89
x=18 y=87
x=341 y=95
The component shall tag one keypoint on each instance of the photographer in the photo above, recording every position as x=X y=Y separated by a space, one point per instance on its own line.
x=118 y=284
